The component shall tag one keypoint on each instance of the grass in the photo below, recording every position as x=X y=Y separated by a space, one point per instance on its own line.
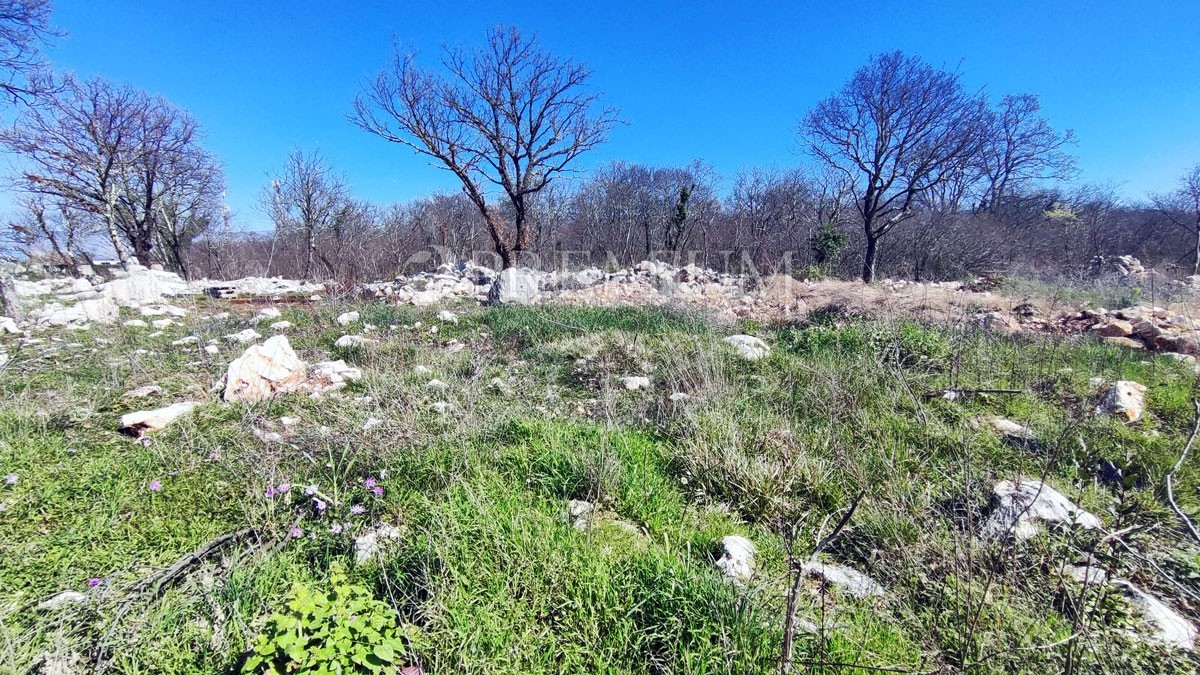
x=488 y=567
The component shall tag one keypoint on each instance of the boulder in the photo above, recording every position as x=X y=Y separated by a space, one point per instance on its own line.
x=142 y=421
x=514 y=286
x=1167 y=626
x=737 y=558
x=264 y=371
x=635 y=382
x=579 y=513
x=1114 y=328
x=1123 y=399
x=1017 y=507
x=347 y=318
x=851 y=581
x=748 y=347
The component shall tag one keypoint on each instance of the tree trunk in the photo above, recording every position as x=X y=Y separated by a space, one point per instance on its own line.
x=868 y=273
x=115 y=237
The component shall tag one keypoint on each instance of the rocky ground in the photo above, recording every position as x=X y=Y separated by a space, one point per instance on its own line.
x=667 y=469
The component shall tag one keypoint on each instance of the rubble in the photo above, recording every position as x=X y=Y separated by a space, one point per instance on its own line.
x=1018 y=506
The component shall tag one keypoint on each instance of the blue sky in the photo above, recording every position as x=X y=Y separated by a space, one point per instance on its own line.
x=721 y=81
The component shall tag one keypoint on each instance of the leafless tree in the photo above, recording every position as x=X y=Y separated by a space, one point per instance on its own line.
x=897 y=129
x=117 y=155
x=1021 y=149
x=308 y=199
x=49 y=228
x=1182 y=209
x=509 y=116
x=24 y=28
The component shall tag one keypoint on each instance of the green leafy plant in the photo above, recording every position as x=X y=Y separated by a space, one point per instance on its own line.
x=827 y=244
x=342 y=630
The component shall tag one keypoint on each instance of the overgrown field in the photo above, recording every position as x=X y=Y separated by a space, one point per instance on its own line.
x=488 y=574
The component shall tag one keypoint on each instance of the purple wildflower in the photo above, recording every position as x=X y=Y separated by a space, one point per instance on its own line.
x=370 y=483
x=155 y=486
x=358 y=509
x=271 y=492
x=378 y=491
x=284 y=487
x=319 y=504
x=11 y=479
x=215 y=454
x=93 y=582
x=297 y=532
x=145 y=441
x=336 y=528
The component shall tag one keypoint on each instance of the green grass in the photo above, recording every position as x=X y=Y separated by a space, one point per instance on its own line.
x=489 y=569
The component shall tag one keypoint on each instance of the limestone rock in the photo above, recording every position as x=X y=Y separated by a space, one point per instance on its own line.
x=514 y=286
x=1114 y=328
x=748 y=346
x=851 y=581
x=350 y=341
x=579 y=513
x=374 y=543
x=347 y=318
x=63 y=599
x=264 y=371
x=243 y=337
x=1123 y=399
x=1167 y=626
x=1017 y=507
x=737 y=558
x=446 y=316
x=330 y=376
x=635 y=382
x=143 y=392
x=153 y=420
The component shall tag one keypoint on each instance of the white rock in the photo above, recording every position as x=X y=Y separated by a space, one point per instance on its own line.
x=191 y=339
x=264 y=371
x=347 y=318
x=1017 y=506
x=852 y=581
x=212 y=350
x=289 y=421
x=436 y=384
x=371 y=423
x=162 y=323
x=579 y=513
x=347 y=341
x=373 y=543
x=678 y=396
x=748 y=346
x=143 y=392
x=421 y=370
x=153 y=420
x=514 y=286
x=8 y=325
x=1124 y=399
x=330 y=376
x=446 y=316
x=269 y=313
x=281 y=325
x=441 y=407
x=1169 y=627
x=635 y=382
x=1010 y=428
x=135 y=323
x=63 y=599
x=737 y=558
x=242 y=337
x=425 y=298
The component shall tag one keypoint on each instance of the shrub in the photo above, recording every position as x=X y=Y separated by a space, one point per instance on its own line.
x=343 y=630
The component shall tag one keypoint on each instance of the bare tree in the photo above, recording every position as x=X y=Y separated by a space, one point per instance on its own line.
x=1182 y=209
x=24 y=28
x=509 y=116
x=117 y=155
x=307 y=198
x=1021 y=149
x=897 y=129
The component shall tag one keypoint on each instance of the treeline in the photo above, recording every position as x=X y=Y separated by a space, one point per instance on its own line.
x=910 y=175
x=770 y=220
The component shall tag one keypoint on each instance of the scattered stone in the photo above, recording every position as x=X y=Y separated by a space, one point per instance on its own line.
x=1115 y=328
x=135 y=323
x=421 y=370
x=289 y=421
x=374 y=543
x=152 y=420
x=371 y=423
x=347 y=318
x=579 y=513
x=441 y=407
x=269 y=313
x=748 y=346
x=1017 y=507
x=63 y=599
x=1168 y=626
x=243 y=337
x=1128 y=343
x=143 y=392
x=352 y=341
x=514 y=286
x=851 y=581
x=264 y=371
x=1010 y=428
x=281 y=325
x=446 y=316
x=9 y=325
x=454 y=347
x=330 y=376
x=1123 y=399
x=635 y=382
x=678 y=396
x=212 y=350
x=737 y=558
x=436 y=384
x=189 y=340
x=999 y=322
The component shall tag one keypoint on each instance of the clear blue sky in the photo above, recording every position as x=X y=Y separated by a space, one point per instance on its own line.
x=721 y=81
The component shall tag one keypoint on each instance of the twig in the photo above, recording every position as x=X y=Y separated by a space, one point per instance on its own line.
x=1191 y=528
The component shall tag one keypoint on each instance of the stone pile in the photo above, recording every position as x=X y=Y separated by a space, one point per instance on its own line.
x=1149 y=328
